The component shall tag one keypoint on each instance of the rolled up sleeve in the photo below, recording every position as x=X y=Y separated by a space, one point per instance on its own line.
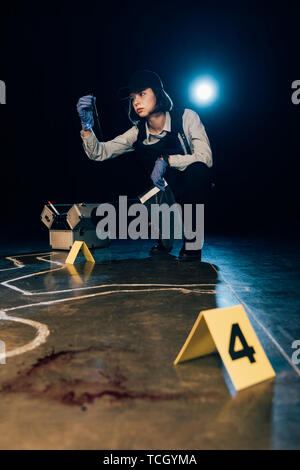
x=198 y=141
x=100 y=151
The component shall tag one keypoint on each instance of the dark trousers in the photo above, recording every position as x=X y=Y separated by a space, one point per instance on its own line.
x=191 y=185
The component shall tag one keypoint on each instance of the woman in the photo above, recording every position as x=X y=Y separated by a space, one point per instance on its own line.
x=171 y=145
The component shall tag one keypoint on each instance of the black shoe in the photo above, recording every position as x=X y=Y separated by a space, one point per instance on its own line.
x=189 y=255
x=160 y=248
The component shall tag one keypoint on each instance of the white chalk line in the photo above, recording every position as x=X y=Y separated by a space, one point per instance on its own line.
x=29 y=293
x=40 y=258
x=15 y=261
x=35 y=254
x=70 y=299
x=43 y=330
x=9 y=269
x=42 y=334
x=99 y=286
x=280 y=349
x=17 y=264
x=63 y=291
x=24 y=292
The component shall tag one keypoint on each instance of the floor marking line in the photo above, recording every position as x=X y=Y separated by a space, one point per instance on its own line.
x=36 y=254
x=17 y=264
x=280 y=349
x=99 y=286
x=24 y=292
x=40 y=338
x=5 y=283
x=43 y=331
x=69 y=299
x=40 y=258
x=62 y=266
x=15 y=261
x=15 y=267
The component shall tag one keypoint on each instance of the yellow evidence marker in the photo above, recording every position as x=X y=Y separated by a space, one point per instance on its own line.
x=73 y=253
x=230 y=331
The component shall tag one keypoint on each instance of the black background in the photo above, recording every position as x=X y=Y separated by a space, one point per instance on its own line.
x=51 y=57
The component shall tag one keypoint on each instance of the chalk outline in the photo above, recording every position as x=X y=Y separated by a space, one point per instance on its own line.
x=180 y=287
x=63 y=266
x=43 y=331
x=18 y=264
x=42 y=334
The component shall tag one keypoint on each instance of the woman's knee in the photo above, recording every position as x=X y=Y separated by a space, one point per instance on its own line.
x=196 y=182
x=197 y=169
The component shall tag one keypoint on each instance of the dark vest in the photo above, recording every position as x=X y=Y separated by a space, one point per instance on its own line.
x=168 y=145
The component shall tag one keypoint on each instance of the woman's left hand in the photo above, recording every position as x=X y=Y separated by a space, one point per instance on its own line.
x=158 y=173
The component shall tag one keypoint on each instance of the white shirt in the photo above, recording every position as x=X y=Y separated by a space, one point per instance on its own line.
x=192 y=127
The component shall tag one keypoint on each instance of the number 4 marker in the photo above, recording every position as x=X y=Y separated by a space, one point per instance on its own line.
x=230 y=331
x=247 y=351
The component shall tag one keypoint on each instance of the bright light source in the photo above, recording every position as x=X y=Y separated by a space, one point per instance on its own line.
x=204 y=91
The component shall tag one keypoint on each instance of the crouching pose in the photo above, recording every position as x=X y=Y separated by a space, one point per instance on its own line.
x=171 y=144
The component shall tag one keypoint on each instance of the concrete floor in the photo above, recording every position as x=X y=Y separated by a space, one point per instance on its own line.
x=91 y=349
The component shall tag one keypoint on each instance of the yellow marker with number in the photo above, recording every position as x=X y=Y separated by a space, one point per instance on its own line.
x=230 y=331
x=76 y=247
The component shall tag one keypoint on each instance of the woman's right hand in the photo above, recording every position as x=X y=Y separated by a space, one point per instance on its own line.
x=158 y=173
x=85 y=111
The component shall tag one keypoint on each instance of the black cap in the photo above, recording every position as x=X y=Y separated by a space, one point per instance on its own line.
x=140 y=80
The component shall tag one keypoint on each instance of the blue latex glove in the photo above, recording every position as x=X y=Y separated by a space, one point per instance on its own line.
x=85 y=111
x=158 y=173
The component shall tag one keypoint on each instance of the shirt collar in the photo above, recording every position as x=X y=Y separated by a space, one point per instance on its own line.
x=167 y=126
